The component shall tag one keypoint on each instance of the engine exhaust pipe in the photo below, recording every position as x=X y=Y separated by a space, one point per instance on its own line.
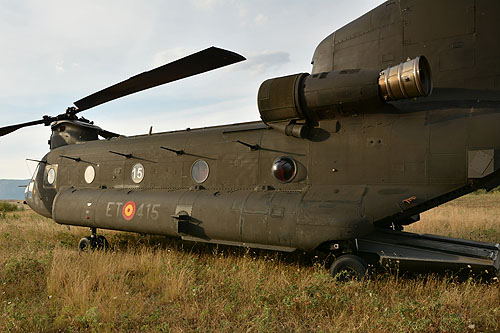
x=407 y=80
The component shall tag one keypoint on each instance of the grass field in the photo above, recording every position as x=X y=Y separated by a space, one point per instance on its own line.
x=157 y=284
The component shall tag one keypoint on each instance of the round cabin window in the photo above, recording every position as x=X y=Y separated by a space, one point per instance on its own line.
x=284 y=169
x=51 y=176
x=89 y=174
x=199 y=171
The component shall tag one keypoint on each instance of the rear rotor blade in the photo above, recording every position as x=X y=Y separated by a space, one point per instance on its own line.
x=193 y=64
x=9 y=129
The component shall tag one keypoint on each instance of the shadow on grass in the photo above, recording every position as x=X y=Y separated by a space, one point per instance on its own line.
x=131 y=241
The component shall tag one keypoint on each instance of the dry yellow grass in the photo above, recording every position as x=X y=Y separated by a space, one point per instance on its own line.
x=157 y=284
x=471 y=217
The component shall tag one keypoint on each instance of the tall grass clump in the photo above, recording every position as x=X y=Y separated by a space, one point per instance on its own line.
x=474 y=217
x=6 y=207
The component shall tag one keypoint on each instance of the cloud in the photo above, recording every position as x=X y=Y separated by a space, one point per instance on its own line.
x=262 y=62
x=208 y=4
x=60 y=66
x=205 y=113
x=261 y=19
x=163 y=57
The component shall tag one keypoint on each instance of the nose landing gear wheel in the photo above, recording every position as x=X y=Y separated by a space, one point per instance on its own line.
x=349 y=267
x=93 y=242
x=85 y=244
x=102 y=243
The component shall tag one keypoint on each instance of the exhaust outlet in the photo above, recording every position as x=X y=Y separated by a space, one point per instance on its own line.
x=407 y=80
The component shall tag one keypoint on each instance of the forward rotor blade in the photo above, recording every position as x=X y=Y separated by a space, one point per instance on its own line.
x=193 y=64
x=9 y=129
x=107 y=134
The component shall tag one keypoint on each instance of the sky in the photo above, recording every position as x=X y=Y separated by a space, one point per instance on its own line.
x=55 y=52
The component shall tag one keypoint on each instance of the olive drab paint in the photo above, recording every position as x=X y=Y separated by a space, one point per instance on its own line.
x=399 y=114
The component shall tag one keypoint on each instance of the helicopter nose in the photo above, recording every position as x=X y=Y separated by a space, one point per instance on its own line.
x=32 y=199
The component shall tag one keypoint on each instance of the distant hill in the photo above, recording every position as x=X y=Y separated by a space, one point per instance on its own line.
x=9 y=189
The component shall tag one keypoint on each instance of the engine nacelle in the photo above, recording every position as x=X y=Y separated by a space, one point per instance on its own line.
x=302 y=97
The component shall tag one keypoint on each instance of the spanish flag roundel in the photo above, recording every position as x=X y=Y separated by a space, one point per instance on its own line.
x=128 y=210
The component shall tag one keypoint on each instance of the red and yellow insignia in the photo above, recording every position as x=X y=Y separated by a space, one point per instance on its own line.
x=128 y=210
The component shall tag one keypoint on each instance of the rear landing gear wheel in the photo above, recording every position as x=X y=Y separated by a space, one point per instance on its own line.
x=349 y=267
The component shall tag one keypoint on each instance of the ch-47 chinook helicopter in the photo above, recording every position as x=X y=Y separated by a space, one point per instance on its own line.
x=342 y=159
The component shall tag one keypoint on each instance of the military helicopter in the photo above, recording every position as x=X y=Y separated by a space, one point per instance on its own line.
x=399 y=115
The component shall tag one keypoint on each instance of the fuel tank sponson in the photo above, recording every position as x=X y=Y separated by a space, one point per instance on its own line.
x=311 y=98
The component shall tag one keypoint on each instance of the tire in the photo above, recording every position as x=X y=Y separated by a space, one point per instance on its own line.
x=84 y=244
x=102 y=243
x=349 y=267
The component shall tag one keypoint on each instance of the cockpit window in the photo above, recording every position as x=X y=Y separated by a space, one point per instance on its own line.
x=50 y=176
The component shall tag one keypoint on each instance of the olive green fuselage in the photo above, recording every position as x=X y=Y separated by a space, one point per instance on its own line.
x=358 y=170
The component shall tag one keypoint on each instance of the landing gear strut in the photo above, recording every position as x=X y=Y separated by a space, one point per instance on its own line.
x=93 y=242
